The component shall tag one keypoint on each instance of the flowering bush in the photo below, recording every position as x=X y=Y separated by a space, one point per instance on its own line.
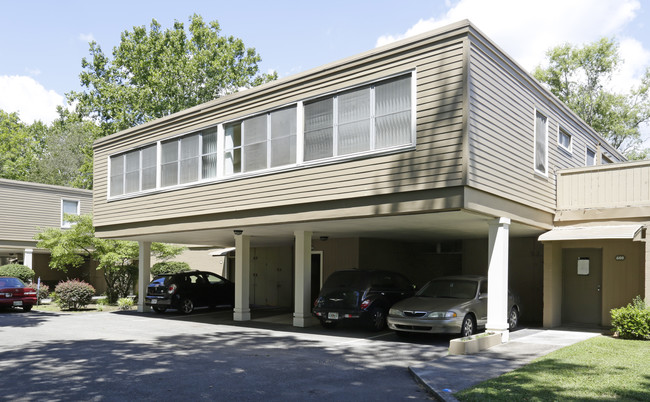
x=74 y=294
x=43 y=292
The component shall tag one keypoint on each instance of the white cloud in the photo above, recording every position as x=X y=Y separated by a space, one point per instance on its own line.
x=28 y=98
x=86 y=37
x=526 y=30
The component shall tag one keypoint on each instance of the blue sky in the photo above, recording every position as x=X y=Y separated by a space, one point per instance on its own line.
x=43 y=42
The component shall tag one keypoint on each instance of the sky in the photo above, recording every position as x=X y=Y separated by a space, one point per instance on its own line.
x=43 y=42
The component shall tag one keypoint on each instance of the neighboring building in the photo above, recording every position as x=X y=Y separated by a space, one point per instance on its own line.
x=433 y=155
x=28 y=208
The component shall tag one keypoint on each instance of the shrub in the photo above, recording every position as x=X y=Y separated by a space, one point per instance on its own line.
x=169 y=267
x=43 y=292
x=125 y=303
x=74 y=294
x=22 y=272
x=632 y=321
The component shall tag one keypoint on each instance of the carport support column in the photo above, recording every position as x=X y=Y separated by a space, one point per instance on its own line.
x=242 y=311
x=144 y=273
x=302 y=302
x=28 y=258
x=498 y=238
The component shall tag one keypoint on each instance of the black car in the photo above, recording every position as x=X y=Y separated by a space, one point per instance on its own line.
x=360 y=294
x=186 y=290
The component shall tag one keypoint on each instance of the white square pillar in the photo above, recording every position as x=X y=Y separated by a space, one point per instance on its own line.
x=302 y=303
x=144 y=273
x=28 y=258
x=242 y=311
x=498 y=238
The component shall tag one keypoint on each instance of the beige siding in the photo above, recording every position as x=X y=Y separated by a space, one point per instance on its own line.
x=26 y=207
x=618 y=185
x=502 y=102
x=435 y=162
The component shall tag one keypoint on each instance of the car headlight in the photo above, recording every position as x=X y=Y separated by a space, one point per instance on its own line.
x=442 y=314
x=394 y=311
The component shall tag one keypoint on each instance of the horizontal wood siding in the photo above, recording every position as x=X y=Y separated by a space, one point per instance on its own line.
x=609 y=186
x=26 y=207
x=502 y=105
x=435 y=162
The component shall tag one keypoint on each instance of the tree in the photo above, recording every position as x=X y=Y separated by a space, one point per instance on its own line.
x=580 y=76
x=153 y=74
x=20 y=146
x=116 y=258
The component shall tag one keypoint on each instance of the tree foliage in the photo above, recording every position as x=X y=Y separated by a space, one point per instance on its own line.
x=20 y=146
x=156 y=72
x=116 y=258
x=581 y=78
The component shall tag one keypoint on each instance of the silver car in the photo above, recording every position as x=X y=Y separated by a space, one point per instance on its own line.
x=454 y=304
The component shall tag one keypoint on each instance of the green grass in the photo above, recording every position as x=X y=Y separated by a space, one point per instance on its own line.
x=599 y=369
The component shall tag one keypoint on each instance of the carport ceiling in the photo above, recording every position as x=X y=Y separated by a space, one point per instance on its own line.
x=439 y=226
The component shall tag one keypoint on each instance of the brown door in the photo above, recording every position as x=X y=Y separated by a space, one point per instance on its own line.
x=582 y=280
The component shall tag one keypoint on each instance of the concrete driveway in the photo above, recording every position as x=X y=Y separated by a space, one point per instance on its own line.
x=105 y=356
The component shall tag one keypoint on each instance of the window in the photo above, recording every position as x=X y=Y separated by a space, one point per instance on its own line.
x=364 y=119
x=564 y=140
x=189 y=158
x=70 y=207
x=261 y=142
x=133 y=171
x=591 y=157
x=541 y=155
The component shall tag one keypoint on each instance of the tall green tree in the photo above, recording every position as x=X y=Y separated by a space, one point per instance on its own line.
x=117 y=259
x=20 y=146
x=156 y=72
x=581 y=77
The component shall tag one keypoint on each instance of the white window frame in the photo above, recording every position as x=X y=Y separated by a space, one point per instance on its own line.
x=560 y=131
x=66 y=224
x=587 y=156
x=537 y=171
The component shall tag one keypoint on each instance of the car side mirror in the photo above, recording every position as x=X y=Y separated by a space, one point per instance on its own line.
x=482 y=296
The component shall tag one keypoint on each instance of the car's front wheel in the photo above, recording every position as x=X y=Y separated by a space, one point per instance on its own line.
x=187 y=306
x=159 y=309
x=377 y=318
x=513 y=318
x=468 y=327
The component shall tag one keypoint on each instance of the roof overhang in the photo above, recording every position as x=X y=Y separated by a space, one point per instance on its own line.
x=625 y=232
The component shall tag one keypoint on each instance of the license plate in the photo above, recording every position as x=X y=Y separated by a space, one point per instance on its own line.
x=18 y=303
x=332 y=316
x=154 y=301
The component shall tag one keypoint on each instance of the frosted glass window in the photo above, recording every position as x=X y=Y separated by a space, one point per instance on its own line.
x=132 y=173
x=149 y=163
x=254 y=137
x=209 y=154
x=232 y=157
x=319 y=130
x=189 y=163
x=283 y=137
x=117 y=175
x=169 y=163
x=354 y=121
x=393 y=113
x=540 y=143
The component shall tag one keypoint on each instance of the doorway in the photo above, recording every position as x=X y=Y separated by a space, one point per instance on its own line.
x=582 y=281
x=316 y=274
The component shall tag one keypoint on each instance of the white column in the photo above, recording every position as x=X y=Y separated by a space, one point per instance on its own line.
x=498 y=238
x=302 y=303
x=144 y=273
x=28 y=260
x=242 y=311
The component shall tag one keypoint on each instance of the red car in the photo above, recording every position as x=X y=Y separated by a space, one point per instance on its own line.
x=14 y=293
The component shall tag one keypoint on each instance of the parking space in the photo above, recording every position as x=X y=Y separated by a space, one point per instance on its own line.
x=127 y=356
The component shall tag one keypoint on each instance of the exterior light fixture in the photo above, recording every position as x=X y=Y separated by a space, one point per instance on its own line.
x=324 y=238
x=238 y=232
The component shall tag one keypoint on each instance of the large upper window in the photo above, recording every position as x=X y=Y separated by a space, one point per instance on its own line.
x=364 y=119
x=541 y=149
x=351 y=122
x=261 y=142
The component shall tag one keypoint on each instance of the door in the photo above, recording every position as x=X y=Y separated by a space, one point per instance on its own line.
x=316 y=276
x=582 y=279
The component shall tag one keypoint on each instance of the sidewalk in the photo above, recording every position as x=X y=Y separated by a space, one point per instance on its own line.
x=450 y=374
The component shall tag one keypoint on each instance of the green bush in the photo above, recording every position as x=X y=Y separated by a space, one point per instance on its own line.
x=169 y=267
x=74 y=294
x=125 y=303
x=22 y=272
x=632 y=321
x=43 y=292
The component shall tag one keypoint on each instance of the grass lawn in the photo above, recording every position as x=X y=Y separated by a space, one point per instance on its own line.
x=599 y=369
x=88 y=308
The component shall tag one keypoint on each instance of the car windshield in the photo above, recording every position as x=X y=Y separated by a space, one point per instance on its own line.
x=346 y=279
x=11 y=283
x=449 y=289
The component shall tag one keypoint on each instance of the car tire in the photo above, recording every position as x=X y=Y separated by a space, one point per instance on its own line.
x=159 y=309
x=27 y=307
x=377 y=318
x=468 y=327
x=186 y=306
x=328 y=324
x=513 y=318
